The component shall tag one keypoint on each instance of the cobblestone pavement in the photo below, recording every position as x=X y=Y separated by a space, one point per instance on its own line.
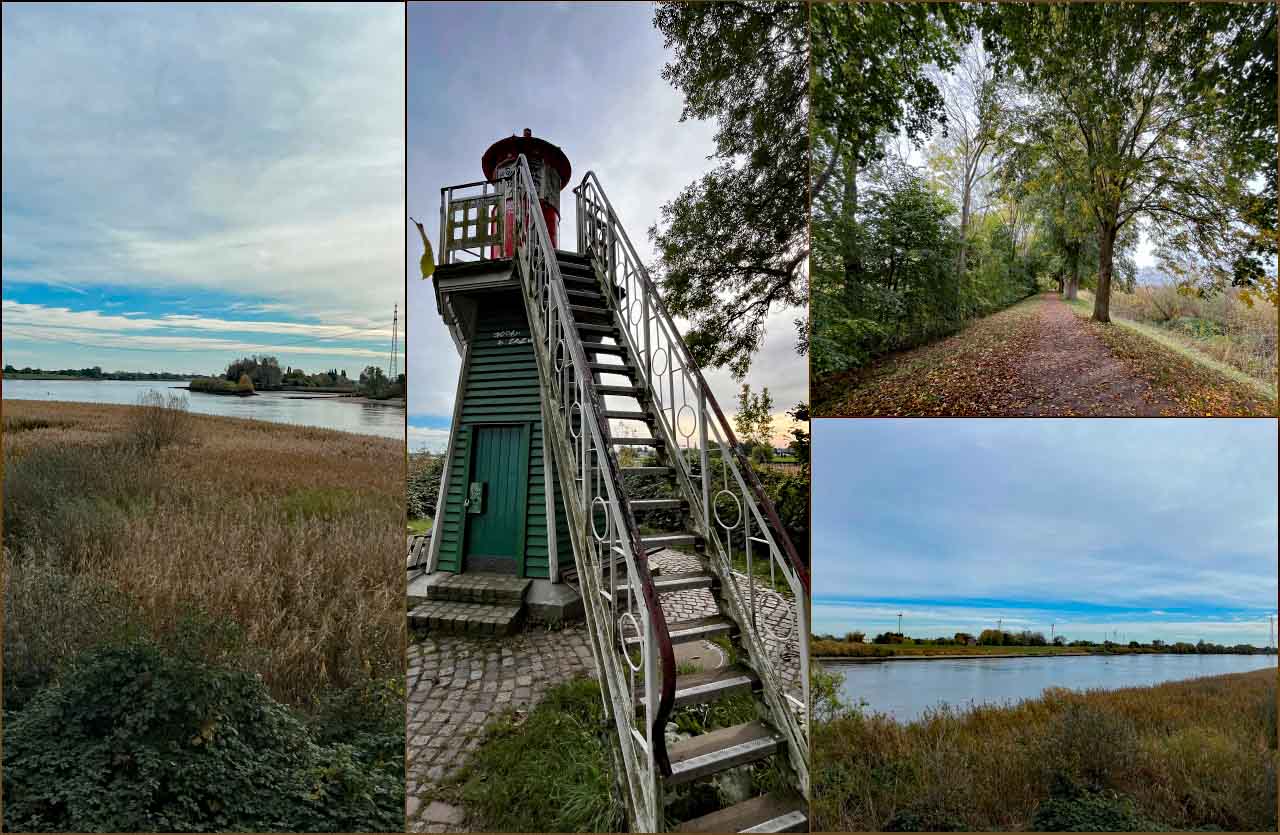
x=776 y=614
x=457 y=684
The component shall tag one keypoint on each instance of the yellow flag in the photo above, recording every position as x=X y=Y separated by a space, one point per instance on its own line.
x=428 y=262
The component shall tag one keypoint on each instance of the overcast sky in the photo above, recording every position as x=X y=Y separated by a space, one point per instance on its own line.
x=586 y=77
x=185 y=184
x=1156 y=528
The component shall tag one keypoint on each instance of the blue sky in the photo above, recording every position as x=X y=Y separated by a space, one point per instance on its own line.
x=587 y=77
x=184 y=184
x=1155 y=528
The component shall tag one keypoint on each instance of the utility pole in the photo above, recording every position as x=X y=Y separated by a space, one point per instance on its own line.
x=393 y=368
x=1052 y=627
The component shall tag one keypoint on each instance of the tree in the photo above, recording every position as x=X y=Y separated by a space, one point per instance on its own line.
x=733 y=245
x=754 y=419
x=373 y=381
x=1132 y=80
x=244 y=385
x=800 y=433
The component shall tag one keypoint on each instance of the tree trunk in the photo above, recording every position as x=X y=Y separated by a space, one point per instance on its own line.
x=853 y=256
x=1061 y=282
x=1106 y=248
x=962 y=256
x=1073 y=280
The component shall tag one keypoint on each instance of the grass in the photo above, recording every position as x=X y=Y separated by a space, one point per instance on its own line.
x=419 y=526
x=113 y=522
x=950 y=377
x=1183 y=755
x=545 y=771
x=1197 y=382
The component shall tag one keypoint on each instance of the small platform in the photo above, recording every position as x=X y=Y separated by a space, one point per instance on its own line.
x=467 y=618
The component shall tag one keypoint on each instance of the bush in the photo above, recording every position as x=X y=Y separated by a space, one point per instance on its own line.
x=425 y=471
x=1091 y=812
x=159 y=421
x=1087 y=749
x=212 y=385
x=100 y=752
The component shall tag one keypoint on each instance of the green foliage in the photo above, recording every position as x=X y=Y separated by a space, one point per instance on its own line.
x=136 y=739
x=213 y=385
x=754 y=418
x=1091 y=812
x=263 y=371
x=732 y=245
x=800 y=443
x=549 y=771
x=425 y=471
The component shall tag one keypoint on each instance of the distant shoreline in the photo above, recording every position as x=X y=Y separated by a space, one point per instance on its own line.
x=864 y=659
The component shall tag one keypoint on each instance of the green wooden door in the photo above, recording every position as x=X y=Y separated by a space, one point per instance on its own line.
x=496 y=499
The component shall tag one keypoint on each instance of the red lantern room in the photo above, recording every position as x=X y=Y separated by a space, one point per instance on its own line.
x=549 y=167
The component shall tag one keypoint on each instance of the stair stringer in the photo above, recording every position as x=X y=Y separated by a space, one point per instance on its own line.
x=644 y=795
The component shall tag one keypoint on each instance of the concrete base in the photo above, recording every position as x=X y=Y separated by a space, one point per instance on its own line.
x=419 y=582
x=549 y=602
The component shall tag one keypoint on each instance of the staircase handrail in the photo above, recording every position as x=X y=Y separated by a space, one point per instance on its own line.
x=563 y=360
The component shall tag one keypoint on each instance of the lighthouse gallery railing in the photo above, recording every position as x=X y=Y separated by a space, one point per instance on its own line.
x=742 y=527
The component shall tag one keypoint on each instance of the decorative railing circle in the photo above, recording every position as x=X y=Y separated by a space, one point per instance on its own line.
x=693 y=420
x=715 y=509
x=600 y=537
x=622 y=640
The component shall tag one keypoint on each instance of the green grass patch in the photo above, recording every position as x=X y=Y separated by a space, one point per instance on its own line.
x=548 y=771
x=419 y=526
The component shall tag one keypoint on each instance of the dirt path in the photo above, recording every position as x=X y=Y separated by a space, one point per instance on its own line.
x=1037 y=358
x=1069 y=371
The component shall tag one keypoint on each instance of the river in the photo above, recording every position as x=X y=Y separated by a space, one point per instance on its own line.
x=324 y=411
x=905 y=689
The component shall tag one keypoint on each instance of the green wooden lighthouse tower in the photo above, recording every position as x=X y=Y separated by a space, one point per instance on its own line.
x=501 y=510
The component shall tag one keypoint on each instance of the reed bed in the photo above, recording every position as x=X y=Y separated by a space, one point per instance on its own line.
x=119 y=521
x=1184 y=755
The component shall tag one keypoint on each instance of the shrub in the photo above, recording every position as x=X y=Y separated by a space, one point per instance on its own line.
x=98 y=753
x=425 y=471
x=159 y=421
x=1091 y=812
x=244 y=385
x=1087 y=748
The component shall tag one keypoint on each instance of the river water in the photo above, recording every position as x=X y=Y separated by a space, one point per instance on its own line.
x=905 y=689
x=324 y=411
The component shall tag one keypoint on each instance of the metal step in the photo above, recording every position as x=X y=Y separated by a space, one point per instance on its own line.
x=657 y=504
x=698 y=629
x=647 y=470
x=663 y=583
x=585 y=294
x=579 y=310
x=653 y=442
x=669 y=540
x=717 y=751
x=613 y=368
x=773 y=812
x=622 y=415
x=620 y=391
x=713 y=685
x=602 y=348
x=576 y=280
x=608 y=330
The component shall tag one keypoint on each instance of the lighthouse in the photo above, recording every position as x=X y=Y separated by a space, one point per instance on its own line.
x=501 y=511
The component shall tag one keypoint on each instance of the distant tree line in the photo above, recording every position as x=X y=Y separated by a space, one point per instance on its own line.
x=95 y=373
x=1028 y=638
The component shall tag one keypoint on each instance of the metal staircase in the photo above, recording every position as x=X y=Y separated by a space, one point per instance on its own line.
x=626 y=411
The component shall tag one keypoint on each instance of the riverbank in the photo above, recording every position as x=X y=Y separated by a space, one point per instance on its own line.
x=258 y=565
x=1180 y=755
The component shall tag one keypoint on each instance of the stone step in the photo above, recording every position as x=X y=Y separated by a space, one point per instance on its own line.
x=773 y=812
x=480 y=587
x=466 y=618
x=720 y=750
